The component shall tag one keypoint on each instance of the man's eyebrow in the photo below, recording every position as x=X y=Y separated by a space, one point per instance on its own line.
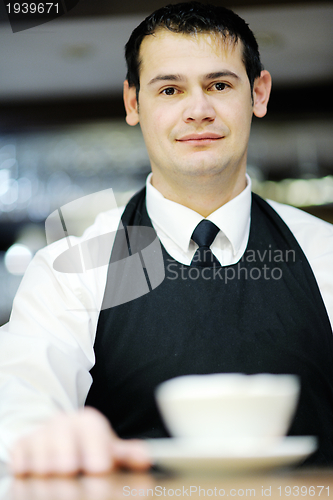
x=166 y=78
x=221 y=74
x=180 y=78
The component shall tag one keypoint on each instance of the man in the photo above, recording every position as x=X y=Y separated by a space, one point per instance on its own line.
x=194 y=81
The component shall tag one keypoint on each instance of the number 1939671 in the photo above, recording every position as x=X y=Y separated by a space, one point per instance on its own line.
x=33 y=8
x=303 y=491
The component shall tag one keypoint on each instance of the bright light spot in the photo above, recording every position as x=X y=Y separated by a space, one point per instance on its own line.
x=4 y=180
x=11 y=194
x=17 y=259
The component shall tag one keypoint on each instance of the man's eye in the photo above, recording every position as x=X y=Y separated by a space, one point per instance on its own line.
x=220 y=86
x=169 y=91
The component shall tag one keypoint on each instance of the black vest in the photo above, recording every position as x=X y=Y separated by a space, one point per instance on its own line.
x=264 y=314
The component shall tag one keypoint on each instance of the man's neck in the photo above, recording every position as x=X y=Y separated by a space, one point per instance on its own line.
x=203 y=195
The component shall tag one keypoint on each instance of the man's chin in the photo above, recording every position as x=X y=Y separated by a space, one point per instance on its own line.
x=202 y=169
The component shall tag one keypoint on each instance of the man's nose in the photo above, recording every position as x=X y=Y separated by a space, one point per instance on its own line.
x=199 y=108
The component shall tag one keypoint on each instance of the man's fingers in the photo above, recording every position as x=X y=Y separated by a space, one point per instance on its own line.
x=19 y=459
x=63 y=457
x=80 y=442
x=95 y=444
x=131 y=454
x=52 y=449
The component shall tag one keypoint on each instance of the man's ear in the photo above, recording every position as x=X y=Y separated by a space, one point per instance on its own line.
x=131 y=104
x=261 y=92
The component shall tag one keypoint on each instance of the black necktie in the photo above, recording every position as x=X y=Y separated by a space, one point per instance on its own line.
x=204 y=235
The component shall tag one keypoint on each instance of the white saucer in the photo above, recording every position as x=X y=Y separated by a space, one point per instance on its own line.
x=185 y=455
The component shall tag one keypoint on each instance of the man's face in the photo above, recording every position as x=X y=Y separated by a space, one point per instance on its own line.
x=195 y=106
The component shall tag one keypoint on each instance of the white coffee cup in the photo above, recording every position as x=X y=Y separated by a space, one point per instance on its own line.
x=234 y=408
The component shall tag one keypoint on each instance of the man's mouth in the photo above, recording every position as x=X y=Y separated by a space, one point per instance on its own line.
x=200 y=139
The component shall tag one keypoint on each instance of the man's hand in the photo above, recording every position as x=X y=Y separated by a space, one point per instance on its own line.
x=72 y=443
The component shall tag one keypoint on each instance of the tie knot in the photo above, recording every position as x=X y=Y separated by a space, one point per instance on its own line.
x=205 y=233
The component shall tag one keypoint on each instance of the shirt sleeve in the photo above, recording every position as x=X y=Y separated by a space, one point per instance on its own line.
x=47 y=345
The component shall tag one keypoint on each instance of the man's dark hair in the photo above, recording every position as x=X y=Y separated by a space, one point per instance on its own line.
x=194 y=17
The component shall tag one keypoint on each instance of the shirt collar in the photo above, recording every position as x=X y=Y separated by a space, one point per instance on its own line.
x=179 y=222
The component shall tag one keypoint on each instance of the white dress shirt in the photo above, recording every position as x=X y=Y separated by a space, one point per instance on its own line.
x=175 y=224
x=47 y=346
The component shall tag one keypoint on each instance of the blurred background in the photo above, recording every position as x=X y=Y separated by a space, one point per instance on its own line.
x=62 y=128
